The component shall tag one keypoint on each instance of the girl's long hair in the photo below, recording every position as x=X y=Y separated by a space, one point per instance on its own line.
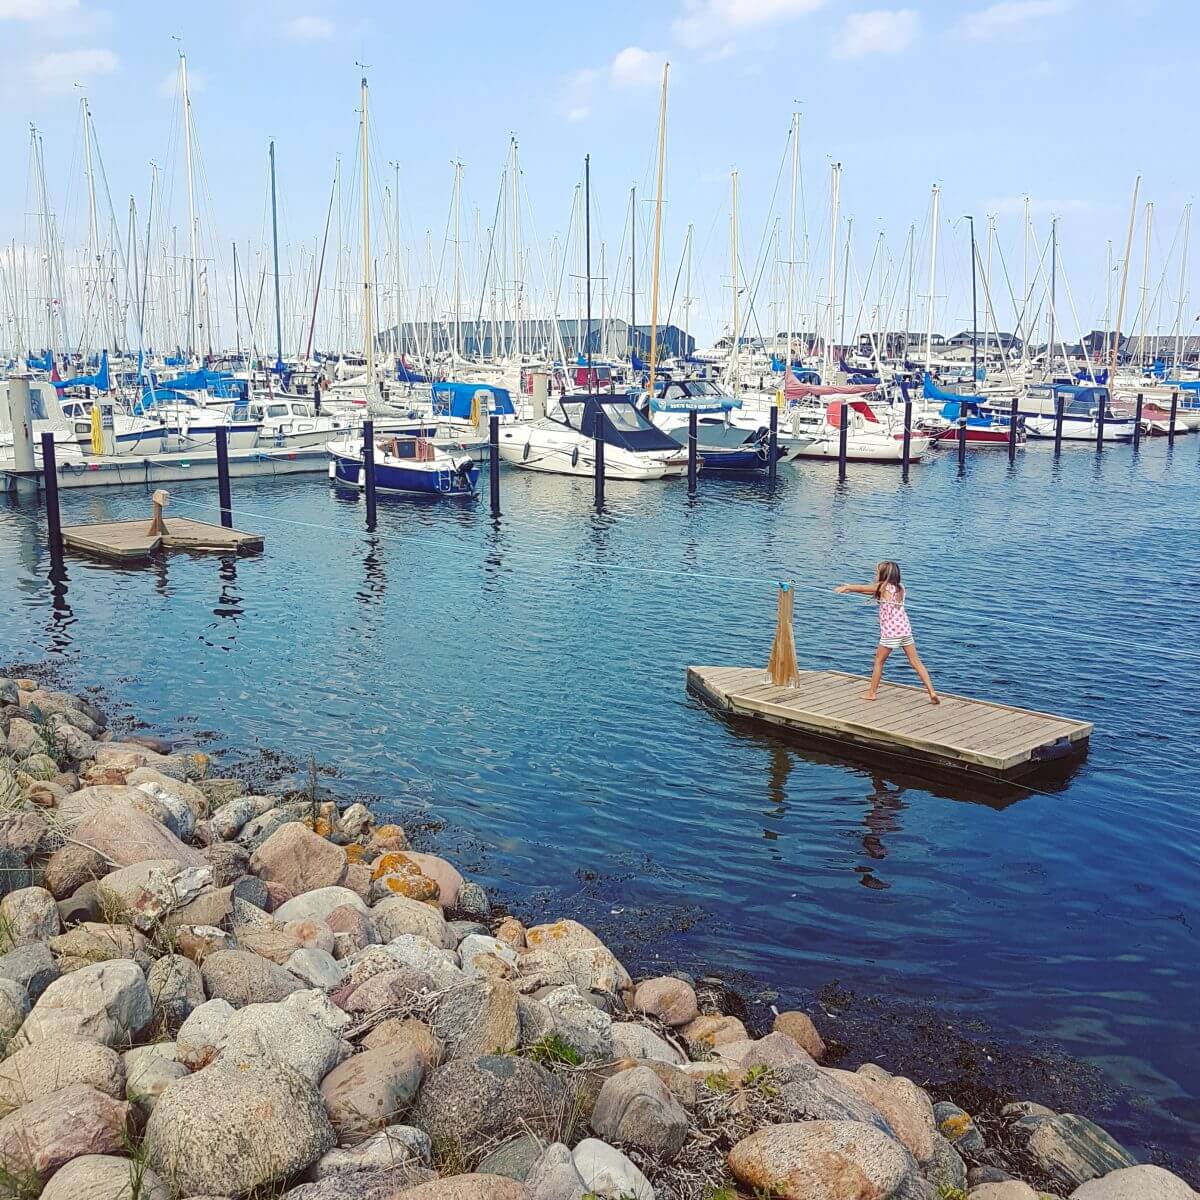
x=888 y=572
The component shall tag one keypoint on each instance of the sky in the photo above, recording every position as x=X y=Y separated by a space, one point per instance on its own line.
x=1063 y=101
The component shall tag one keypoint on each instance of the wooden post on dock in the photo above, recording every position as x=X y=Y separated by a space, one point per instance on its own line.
x=1058 y=420
x=906 y=445
x=692 y=452
x=1012 y=430
x=773 y=446
x=50 y=477
x=1174 y=410
x=369 y=472
x=599 y=451
x=1100 y=413
x=223 y=477
x=843 y=435
x=1137 y=422
x=781 y=667
x=494 y=463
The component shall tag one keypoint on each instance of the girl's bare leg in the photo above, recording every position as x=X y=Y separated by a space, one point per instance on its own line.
x=917 y=665
x=881 y=656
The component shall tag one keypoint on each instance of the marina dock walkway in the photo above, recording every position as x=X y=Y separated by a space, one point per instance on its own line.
x=960 y=733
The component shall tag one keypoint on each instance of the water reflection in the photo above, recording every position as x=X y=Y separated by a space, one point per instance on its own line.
x=374 y=587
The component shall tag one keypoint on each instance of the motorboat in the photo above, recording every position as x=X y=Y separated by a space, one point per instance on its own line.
x=404 y=464
x=727 y=437
x=1081 y=407
x=192 y=424
x=288 y=421
x=563 y=442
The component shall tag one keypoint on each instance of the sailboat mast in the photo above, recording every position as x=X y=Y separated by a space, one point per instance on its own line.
x=237 y=319
x=1145 y=284
x=912 y=250
x=93 y=233
x=516 y=250
x=587 y=262
x=933 y=233
x=1053 y=288
x=658 y=202
x=974 y=312
x=368 y=306
x=792 y=233
x=1116 y=338
x=458 y=260
x=275 y=253
x=193 y=312
x=1183 y=262
x=733 y=259
x=835 y=188
x=632 y=272
x=687 y=284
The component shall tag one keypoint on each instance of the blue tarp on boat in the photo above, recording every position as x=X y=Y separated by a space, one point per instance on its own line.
x=99 y=380
x=456 y=400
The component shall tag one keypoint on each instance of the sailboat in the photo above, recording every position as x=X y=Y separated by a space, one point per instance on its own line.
x=403 y=463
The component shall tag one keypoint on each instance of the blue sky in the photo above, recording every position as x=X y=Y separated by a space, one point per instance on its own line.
x=1062 y=100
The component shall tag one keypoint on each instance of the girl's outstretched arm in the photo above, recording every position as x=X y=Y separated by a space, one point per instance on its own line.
x=857 y=589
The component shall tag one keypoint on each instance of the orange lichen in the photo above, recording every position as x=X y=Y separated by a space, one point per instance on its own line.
x=954 y=1127
x=355 y=853
x=393 y=863
x=415 y=887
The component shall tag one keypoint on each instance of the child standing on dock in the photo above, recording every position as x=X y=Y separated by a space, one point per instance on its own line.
x=894 y=628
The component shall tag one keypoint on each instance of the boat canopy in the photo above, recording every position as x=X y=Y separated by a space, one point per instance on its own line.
x=933 y=392
x=216 y=383
x=1077 y=398
x=156 y=396
x=693 y=395
x=617 y=420
x=833 y=412
x=41 y=362
x=857 y=375
x=457 y=400
x=802 y=391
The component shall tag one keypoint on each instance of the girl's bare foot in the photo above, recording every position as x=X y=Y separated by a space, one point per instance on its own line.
x=934 y=698
x=870 y=696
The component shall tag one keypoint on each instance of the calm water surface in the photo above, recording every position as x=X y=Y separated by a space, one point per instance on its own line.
x=522 y=682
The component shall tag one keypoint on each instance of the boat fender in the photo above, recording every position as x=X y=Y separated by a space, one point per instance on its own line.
x=525 y=453
x=575 y=456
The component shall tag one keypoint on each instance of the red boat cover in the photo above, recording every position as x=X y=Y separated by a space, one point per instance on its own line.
x=833 y=411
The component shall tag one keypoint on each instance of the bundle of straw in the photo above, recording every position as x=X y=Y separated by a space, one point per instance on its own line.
x=782 y=667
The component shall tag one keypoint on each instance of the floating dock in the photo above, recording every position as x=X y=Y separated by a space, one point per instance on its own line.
x=961 y=734
x=179 y=467
x=132 y=541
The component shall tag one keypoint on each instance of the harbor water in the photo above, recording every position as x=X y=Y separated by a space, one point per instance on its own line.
x=523 y=681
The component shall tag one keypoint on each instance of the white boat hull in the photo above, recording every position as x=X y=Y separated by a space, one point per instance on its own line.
x=533 y=448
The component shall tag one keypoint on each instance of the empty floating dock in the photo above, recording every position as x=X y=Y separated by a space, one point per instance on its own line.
x=827 y=707
x=132 y=541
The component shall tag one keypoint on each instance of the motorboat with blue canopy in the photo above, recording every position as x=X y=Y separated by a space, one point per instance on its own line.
x=469 y=401
x=1081 y=408
x=726 y=440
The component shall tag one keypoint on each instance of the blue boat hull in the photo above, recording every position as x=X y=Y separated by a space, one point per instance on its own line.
x=412 y=480
x=740 y=458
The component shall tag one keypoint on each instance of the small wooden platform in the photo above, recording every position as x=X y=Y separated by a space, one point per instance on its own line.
x=131 y=541
x=960 y=733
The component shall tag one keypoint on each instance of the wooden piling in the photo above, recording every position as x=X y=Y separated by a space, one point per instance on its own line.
x=773 y=446
x=223 y=477
x=1058 y=422
x=50 y=478
x=692 y=452
x=494 y=463
x=599 y=452
x=1012 y=430
x=906 y=445
x=369 y=472
x=1174 y=410
x=1100 y=414
x=843 y=435
x=1137 y=422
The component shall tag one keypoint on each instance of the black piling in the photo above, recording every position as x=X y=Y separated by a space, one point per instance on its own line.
x=599 y=450
x=1137 y=422
x=1012 y=430
x=906 y=445
x=494 y=463
x=962 y=440
x=369 y=471
x=1058 y=420
x=1101 y=412
x=223 y=477
x=773 y=446
x=1174 y=410
x=692 y=452
x=843 y=436
x=50 y=480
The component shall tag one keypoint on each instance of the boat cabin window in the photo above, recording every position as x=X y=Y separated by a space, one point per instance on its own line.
x=624 y=416
x=301 y=410
x=277 y=410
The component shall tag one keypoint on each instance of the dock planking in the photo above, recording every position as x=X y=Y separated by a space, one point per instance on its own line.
x=132 y=541
x=961 y=732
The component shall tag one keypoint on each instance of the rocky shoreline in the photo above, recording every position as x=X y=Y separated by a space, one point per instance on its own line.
x=209 y=992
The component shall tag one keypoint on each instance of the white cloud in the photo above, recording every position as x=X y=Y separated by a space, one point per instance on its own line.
x=36 y=10
x=635 y=67
x=1011 y=18
x=309 y=29
x=883 y=31
x=580 y=112
x=706 y=21
x=61 y=70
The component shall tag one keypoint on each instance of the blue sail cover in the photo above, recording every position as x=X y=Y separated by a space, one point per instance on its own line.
x=217 y=383
x=933 y=392
x=175 y=360
x=1088 y=376
x=41 y=362
x=100 y=380
x=634 y=360
x=455 y=400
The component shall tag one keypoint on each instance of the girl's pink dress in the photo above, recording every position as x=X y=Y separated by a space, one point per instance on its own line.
x=894 y=629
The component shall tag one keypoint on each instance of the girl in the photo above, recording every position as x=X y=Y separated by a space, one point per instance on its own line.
x=894 y=629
